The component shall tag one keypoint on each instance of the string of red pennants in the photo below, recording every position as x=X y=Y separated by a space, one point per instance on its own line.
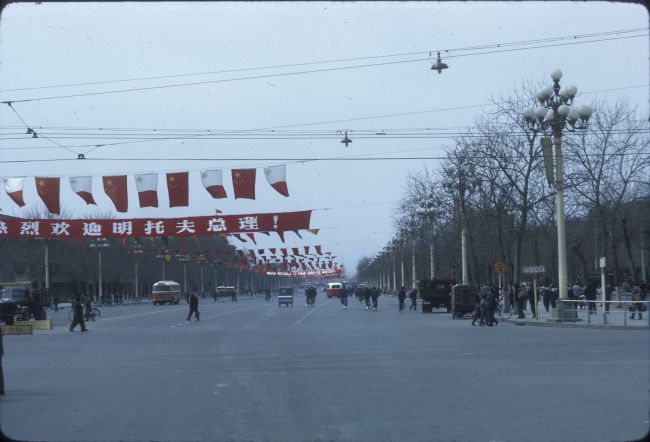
x=116 y=187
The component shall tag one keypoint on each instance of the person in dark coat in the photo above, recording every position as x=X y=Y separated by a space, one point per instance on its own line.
x=413 y=294
x=194 y=307
x=492 y=300
x=366 y=297
x=590 y=297
x=78 y=315
x=374 y=294
x=546 y=297
x=401 y=296
x=2 y=376
x=343 y=296
x=522 y=297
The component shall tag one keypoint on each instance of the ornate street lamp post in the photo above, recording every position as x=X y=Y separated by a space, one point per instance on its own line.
x=428 y=209
x=555 y=113
x=462 y=180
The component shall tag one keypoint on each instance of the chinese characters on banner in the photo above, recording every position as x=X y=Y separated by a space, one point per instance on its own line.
x=152 y=227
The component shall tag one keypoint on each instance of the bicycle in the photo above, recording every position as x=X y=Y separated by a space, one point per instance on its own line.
x=92 y=315
x=501 y=310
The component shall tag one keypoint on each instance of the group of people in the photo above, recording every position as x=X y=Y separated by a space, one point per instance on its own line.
x=365 y=295
x=310 y=296
x=413 y=296
x=485 y=307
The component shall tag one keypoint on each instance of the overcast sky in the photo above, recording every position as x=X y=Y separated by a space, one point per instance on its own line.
x=59 y=44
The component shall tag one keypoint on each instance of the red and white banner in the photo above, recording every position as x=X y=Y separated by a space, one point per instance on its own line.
x=147 y=185
x=153 y=227
x=213 y=182
x=277 y=178
x=83 y=186
x=14 y=188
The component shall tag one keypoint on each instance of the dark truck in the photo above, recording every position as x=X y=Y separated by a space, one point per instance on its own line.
x=463 y=300
x=435 y=293
x=17 y=300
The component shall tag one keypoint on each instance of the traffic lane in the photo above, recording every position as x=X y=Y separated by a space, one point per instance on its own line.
x=348 y=374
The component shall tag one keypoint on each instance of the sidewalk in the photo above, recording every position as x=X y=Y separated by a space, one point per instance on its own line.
x=617 y=319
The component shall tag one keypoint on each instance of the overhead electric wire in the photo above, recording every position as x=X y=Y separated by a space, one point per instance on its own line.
x=448 y=51
x=284 y=160
x=29 y=129
x=312 y=71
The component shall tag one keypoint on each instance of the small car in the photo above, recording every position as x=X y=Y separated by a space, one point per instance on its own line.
x=285 y=296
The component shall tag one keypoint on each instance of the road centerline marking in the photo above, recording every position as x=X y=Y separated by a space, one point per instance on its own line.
x=310 y=312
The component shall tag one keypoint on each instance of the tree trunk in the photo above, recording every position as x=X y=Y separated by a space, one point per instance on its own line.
x=630 y=257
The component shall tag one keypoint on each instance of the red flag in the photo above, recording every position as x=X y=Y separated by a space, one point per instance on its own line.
x=280 y=234
x=252 y=253
x=243 y=182
x=306 y=250
x=318 y=250
x=252 y=237
x=48 y=190
x=177 y=185
x=115 y=188
x=272 y=250
x=14 y=188
x=284 y=252
x=295 y=251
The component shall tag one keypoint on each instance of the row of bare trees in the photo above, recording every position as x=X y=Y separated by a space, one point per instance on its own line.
x=493 y=183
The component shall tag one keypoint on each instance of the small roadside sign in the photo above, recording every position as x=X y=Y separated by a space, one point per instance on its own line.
x=534 y=269
x=499 y=267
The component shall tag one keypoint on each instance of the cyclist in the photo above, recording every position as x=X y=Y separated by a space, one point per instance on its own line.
x=88 y=310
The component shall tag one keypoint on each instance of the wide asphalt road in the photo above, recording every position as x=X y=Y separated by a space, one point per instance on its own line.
x=251 y=371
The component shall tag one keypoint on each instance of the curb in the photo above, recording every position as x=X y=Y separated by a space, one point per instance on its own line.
x=575 y=325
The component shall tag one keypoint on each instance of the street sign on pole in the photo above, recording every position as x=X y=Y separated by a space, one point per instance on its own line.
x=499 y=267
x=534 y=269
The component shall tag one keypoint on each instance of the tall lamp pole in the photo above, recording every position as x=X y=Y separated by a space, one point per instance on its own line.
x=428 y=209
x=555 y=113
x=462 y=179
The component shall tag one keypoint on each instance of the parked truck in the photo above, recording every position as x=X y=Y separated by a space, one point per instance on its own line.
x=435 y=293
x=19 y=300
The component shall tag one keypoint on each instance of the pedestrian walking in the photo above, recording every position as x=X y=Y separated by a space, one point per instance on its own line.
x=546 y=297
x=2 y=376
x=532 y=300
x=343 y=297
x=374 y=294
x=401 y=296
x=78 y=315
x=56 y=303
x=366 y=297
x=639 y=305
x=522 y=296
x=194 y=306
x=492 y=299
x=590 y=297
x=413 y=295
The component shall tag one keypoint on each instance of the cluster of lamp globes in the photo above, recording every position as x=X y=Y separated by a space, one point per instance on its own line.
x=555 y=99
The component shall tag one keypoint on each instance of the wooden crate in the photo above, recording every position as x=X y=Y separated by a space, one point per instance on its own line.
x=45 y=324
x=19 y=328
